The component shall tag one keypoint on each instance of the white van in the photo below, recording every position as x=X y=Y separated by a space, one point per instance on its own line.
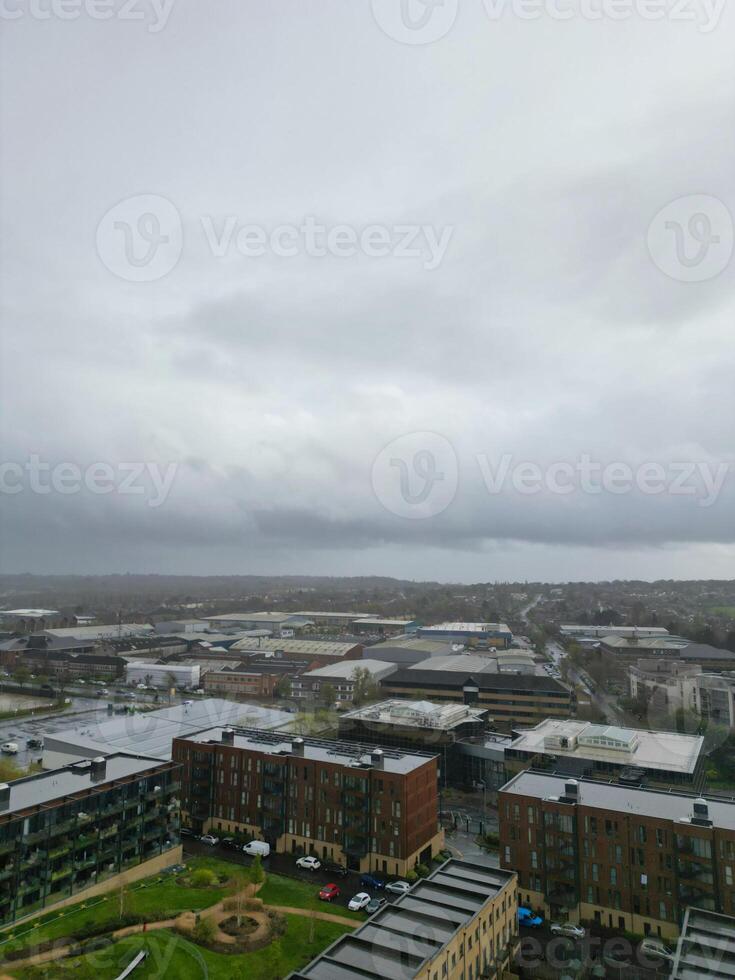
x=254 y=847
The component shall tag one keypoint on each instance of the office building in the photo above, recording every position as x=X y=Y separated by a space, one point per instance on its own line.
x=341 y=678
x=367 y=808
x=376 y=626
x=457 y=924
x=629 y=755
x=575 y=631
x=511 y=698
x=84 y=829
x=630 y=859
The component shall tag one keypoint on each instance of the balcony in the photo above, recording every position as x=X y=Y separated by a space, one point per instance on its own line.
x=60 y=850
x=28 y=885
x=109 y=831
x=9 y=845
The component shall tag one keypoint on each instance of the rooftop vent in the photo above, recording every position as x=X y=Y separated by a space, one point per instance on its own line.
x=4 y=796
x=571 y=791
x=701 y=812
x=228 y=736
x=99 y=767
x=297 y=746
x=376 y=757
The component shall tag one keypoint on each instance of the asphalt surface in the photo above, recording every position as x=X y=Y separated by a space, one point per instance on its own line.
x=285 y=864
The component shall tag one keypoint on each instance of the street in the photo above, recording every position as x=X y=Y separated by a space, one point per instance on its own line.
x=542 y=954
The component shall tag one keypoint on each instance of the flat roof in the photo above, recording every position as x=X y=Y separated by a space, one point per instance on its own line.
x=348 y=668
x=668 y=751
x=706 y=947
x=30 y=613
x=314 y=648
x=153 y=731
x=334 y=615
x=379 y=621
x=106 y=630
x=317 y=750
x=46 y=787
x=469 y=627
x=418 y=714
x=256 y=617
x=593 y=793
x=487 y=679
x=397 y=941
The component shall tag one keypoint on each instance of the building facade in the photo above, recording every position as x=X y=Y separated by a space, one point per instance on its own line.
x=83 y=826
x=341 y=678
x=457 y=924
x=628 y=858
x=367 y=809
x=492 y=634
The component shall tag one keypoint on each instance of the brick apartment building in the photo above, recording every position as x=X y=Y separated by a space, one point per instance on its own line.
x=628 y=858
x=369 y=809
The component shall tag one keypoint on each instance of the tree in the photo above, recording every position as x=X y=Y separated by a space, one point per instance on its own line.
x=257 y=874
x=328 y=694
x=364 y=687
x=171 y=679
x=240 y=880
x=283 y=687
x=21 y=675
x=148 y=680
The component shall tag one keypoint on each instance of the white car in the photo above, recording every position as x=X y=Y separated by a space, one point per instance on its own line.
x=209 y=839
x=360 y=901
x=567 y=929
x=142 y=687
x=397 y=887
x=309 y=862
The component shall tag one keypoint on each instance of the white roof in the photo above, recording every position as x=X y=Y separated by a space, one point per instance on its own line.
x=348 y=667
x=110 y=631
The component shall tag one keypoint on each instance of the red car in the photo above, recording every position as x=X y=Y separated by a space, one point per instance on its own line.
x=328 y=893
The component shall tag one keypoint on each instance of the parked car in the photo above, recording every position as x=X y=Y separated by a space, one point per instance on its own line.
x=258 y=847
x=10 y=748
x=328 y=893
x=374 y=905
x=338 y=870
x=529 y=919
x=309 y=863
x=209 y=839
x=397 y=887
x=103 y=692
x=360 y=901
x=567 y=929
x=654 y=947
x=368 y=881
x=230 y=843
x=188 y=832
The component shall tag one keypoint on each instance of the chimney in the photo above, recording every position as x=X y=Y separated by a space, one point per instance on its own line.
x=4 y=796
x=571 y=791
x=228 y=736
x=99 y=768
x=376 y=757
x=701 y=813
x=297 y=746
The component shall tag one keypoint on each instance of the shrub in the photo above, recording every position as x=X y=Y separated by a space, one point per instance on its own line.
x=204 y=878
x=203 y=932
x=411 y=876
x=257 y=875
x=421 y=870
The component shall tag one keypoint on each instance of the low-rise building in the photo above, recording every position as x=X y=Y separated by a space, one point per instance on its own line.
x=83 y=829
x=628 y=650
x=628 y=755
x=163 y=676
x=492 y=634
x=318 y=653
x=342 y=678
x=706 y=947
x=377 y=626
x=457 y=924
x=581 y=630
x=511 y=698
x=628 y=858
x=272 y=621
x=367 y=808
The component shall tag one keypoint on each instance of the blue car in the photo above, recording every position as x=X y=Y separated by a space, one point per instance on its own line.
x=529 y=919
x=367 y=881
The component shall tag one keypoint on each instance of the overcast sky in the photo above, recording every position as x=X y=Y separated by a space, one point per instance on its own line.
x=564 y=191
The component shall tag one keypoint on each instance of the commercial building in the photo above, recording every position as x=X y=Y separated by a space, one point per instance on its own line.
x=628 y=858
x=152 y=732
x=107 y=631
x=318 y=653
x=253 y=678
x=628 y=755
x=340 y=677
x=340 y=620
x=706 y=947
x=164 y=676
x=83 y=829
x=628 y=651
x=409 y=649
x=602 y=631
x=512 y=699
x=457 y=924
x=369 y=809
x=384 y=627
x=275 y=622
x=492 y=634
x=29 y=620
x=425 y=725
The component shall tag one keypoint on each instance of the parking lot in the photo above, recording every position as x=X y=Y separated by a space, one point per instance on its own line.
x=285 y=864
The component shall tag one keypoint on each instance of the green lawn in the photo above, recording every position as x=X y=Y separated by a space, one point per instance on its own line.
x=171 y=956
x=724 y=611
x=158 y=897
x=279 y=890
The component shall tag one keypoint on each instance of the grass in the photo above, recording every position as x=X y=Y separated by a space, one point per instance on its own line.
x=172 y=956
x=724 y=611
x=278 y=890
x=158 y=897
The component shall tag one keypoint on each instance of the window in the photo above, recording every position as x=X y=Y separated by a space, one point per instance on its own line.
x=613 y=876
x=507 y=855
x=728 y=874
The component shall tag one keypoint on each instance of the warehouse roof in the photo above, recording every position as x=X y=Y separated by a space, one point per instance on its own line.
x=313 y=648
x=153 y=731
x=346 y=670
x=402 y=937
x=108 y=631
x=417 y=714
x=666 y=805
x=488 y=678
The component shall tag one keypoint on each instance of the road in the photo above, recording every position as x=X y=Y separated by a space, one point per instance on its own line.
x=622 y=960
x=531 y=605
x=602 y=701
